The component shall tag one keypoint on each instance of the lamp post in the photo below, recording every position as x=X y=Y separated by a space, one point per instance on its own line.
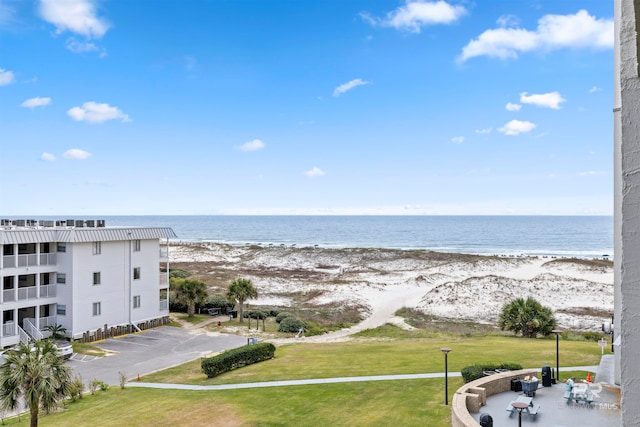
x=446 y=350
x=557 y=332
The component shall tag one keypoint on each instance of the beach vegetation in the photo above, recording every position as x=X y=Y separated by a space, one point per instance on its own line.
x=179 y=273
x=291 y=324
x=528 y=317
x=283 y=315
x=219 y=301
x=241 y=290
x=33 y=374
x=190 y=293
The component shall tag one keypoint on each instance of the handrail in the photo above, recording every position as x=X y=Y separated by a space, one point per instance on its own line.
x=31 y=329
x=24 y=337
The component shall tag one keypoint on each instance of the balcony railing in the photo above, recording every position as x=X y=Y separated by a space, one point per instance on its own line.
x=164 y=304
x=8 y=329
x=164 y=252
x=9 y=261
x=8 y=295
x=48 y=291
x=48 y=259
x=48 y=321
x=29 y=292
x=28 y=260
x=164 y=279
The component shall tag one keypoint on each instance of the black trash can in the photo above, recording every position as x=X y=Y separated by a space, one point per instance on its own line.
x=546 y=376
x=486 y=420
x=233 y=314
x=516 y=385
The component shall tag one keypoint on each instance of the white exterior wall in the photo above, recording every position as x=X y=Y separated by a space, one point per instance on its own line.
x=627 y=209
x=117 y=289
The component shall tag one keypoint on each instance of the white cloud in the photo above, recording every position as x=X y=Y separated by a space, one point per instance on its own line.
x=512 y=107
x=516 y=127
x=6 y=77
x=457 y=139
x=315 y=171
x=553 y=32
x=508 y=21
x=254 y=145
x=92 y=112
x=484 y=131
x=549 y=100
x=76 y=46
x=36 y=102
x=77 y=16
x=348 y=86
x=592 y=173
x=76 y=154
x=417 y=14
x=594 y=89
x=48 y=157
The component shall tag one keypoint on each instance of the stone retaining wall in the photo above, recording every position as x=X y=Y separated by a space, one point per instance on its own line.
x=471 y=396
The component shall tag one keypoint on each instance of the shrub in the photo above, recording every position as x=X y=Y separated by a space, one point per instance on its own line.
x=76 y=388
x=283 y=315
x=237 y=358
x=256 y=314
x=177 y=272
x=473 y=372
x=274 y=312
x=592 y=336
x=123 y=379
x=291 y=324
x=219 y=301
x=94 y=385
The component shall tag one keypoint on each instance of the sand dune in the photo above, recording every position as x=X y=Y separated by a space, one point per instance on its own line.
x=453 y=286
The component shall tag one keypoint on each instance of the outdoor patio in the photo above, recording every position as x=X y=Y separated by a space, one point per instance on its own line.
x=554 y=410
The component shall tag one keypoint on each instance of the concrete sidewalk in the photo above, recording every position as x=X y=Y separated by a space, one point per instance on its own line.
x=317 y=381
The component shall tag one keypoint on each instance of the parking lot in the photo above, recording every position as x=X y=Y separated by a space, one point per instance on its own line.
x=150 y=351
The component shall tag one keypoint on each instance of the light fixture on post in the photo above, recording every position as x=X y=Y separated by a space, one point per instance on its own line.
x=446 y=351
x=557 y=332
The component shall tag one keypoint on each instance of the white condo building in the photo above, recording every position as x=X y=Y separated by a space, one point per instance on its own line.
x=81 y=275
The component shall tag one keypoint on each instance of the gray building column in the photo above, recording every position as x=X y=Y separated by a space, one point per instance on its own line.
x=627 y=210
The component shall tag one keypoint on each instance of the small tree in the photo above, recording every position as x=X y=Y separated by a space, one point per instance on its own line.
x=190 y=293
x=35 y=375
x=528 y=317
x=241 y=290
x=58 y=332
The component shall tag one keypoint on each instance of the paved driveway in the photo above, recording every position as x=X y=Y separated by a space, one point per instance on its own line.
x=150 y=351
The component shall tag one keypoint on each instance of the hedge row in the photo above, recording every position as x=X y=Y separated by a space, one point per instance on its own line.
x=473 y=372
x=237 y=358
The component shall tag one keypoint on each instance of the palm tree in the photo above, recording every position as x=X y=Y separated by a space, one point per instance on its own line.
x=34 y=374
x=190 y=292
x=57 y=331
x=528 y=317
x=241 y=290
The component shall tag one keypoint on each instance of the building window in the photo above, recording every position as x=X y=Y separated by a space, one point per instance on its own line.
x=62 y=247
x=136 y=245
x=136 y=301
x=61 y=310
x=97 y=309
x=96 y=278
x=97 y=248
x=136 y=273
x=61 y=278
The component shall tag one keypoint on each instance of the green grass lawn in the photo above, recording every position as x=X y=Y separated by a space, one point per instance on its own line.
x=379 y=403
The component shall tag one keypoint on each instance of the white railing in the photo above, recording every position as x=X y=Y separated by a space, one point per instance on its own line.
x=30 y=328
x=29 y=292
x=48 y=259
x=8 y=295
x=164 y=304
x=8 y=261
x=48 y=321
x=48 y=291
x=24 y=337
x=8 y=329
x=164 y=252
x=164 y=279
x=28 y=260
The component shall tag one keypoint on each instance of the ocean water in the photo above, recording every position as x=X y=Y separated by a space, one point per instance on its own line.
x=581 y=236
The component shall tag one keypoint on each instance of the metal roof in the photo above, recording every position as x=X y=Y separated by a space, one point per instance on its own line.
x=78 y=235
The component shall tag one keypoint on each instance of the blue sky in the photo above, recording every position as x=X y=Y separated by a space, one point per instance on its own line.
x=306 y=107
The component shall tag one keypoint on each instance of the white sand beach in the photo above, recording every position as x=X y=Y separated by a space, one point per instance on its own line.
x=454 y=286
